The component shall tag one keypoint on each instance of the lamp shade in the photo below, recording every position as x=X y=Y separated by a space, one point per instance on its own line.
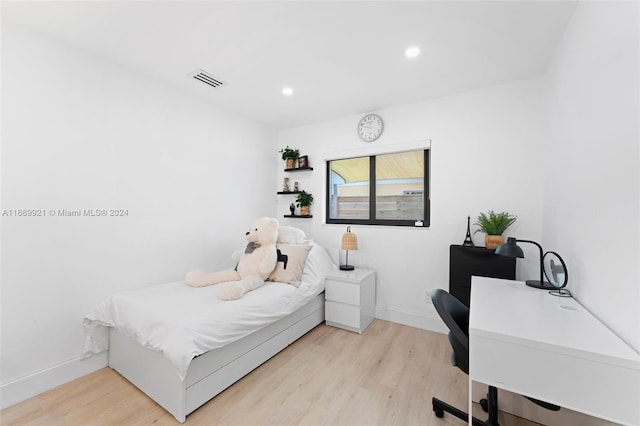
x=349 y=240
x=510 y=249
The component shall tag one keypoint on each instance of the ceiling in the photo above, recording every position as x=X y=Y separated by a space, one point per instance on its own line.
x=339 y=57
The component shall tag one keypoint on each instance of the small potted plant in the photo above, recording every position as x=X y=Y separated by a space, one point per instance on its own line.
x=494 y=225
x=304 y=201
x=290 y=155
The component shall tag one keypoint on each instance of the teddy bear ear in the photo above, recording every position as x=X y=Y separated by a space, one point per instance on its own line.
x=274 y=222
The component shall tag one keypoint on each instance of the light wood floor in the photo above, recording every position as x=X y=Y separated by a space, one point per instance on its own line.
x=386 y=376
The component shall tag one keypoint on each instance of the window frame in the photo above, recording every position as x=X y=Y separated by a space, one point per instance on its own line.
x=372 y=195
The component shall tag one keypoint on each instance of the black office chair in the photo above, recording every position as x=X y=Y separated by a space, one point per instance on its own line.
x=456 y=317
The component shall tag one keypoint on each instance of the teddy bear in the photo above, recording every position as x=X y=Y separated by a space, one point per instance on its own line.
x=255 y=264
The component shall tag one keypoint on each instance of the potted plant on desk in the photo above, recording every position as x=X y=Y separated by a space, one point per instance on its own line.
x=494 y=225
x=304 y=201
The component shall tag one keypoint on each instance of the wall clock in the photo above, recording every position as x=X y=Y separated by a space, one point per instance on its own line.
x=370 y=127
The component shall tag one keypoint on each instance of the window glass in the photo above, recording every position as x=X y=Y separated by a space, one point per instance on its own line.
x=400 y=186
x=349 y=188
x=385 y=189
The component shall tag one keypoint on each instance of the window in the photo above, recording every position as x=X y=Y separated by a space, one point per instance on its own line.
x=384 y=189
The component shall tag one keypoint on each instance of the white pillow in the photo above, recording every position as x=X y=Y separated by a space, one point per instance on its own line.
x=291 y=235
x=318 y=263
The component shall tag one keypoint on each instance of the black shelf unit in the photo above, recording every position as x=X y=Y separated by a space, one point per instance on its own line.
x=464 y=262
x=296 y=169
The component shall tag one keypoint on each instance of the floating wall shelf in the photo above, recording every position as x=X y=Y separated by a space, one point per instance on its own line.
x=298 y=169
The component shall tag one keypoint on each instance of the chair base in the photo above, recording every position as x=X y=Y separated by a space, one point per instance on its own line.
x=440 y=407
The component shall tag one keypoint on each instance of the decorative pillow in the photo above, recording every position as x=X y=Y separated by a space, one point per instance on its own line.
x=291 y=259
x=291 y=235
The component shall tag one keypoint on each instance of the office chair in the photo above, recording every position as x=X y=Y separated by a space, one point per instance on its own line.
x=456 y=317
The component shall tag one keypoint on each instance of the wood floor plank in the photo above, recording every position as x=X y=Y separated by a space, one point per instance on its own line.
x=386 y=376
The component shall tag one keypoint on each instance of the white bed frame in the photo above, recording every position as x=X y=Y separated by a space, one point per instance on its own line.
x=212 y=372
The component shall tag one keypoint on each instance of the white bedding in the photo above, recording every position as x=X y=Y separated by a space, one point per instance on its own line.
x=182 y=322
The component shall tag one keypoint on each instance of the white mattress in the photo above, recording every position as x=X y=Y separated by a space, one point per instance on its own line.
x=182 y=322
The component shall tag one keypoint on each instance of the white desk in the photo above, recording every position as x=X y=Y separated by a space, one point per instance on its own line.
x=551 y=348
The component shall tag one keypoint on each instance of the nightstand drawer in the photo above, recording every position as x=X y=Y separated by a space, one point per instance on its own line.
x=342 y=314
x=339 y=291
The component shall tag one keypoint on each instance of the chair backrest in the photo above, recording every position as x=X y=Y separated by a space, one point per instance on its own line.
x=456 y=317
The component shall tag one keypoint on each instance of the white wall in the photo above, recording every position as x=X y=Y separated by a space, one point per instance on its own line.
x=476 y=138
x=82 y=133
x=591 y=197
x=592 y=162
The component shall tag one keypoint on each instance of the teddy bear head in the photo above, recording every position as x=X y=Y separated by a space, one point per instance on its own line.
x=263 y=231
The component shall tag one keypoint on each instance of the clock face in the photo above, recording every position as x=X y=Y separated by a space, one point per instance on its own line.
x=370 y=128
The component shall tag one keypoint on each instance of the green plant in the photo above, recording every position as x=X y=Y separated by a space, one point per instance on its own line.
x=494 y=223
x=304 y=199
x=290 y=153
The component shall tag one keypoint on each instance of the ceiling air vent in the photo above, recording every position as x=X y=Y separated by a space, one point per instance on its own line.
x=206 y=78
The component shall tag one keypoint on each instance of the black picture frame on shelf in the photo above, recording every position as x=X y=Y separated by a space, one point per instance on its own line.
x=303 y=161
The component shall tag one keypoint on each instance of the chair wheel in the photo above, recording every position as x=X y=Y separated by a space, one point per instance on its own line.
x=485 y=405
x=439 y=412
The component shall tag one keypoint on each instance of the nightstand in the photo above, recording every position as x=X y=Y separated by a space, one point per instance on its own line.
x=350 y=299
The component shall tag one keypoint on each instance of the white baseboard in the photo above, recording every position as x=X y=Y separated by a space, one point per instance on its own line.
x=412 y=319
x=34 y=384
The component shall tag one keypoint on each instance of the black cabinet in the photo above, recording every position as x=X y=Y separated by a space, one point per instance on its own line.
x=467 y=261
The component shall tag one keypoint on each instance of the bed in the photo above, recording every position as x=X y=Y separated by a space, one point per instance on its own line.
x=182 y=345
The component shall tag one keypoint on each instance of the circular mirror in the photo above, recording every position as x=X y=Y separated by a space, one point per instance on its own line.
x=555 y=269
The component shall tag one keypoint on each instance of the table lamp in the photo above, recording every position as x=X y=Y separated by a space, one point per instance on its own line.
x=349 y=242
x=511 y=249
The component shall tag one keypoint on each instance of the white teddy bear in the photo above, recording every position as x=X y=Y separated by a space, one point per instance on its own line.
x=257 y=261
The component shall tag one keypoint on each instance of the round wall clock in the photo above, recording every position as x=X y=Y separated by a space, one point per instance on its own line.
x=370 y=127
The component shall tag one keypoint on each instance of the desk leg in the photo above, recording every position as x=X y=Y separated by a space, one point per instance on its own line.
x=492 y=403
x=470 y=403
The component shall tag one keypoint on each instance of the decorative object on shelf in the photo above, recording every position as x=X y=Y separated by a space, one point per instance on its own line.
x=292 y=208
x=285 y=186
x=555 y=265
x=349 y=242
x=303 y=161
x=290 y=155
x=370 y=127
x=304 y=201
x=468 y=242
x=296 y=188
x=494 y=225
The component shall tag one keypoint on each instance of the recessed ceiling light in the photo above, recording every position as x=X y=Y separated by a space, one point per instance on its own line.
x=412 y=52
x=287 y=91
